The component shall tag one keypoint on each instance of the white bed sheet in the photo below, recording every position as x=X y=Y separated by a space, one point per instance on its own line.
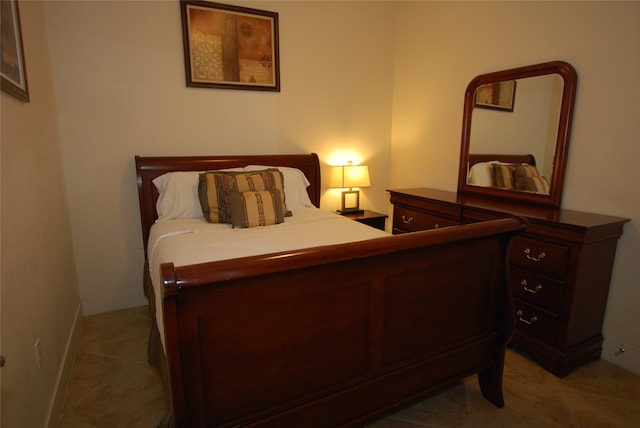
x=191 y=241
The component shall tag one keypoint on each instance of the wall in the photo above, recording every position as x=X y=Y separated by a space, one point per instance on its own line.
x=441 y=46
x=39 y=293
x=120 y=89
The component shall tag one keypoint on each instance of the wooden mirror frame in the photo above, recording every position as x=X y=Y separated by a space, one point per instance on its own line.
x=556 y=186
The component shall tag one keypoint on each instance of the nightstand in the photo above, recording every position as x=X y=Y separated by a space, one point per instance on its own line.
x=369 y=218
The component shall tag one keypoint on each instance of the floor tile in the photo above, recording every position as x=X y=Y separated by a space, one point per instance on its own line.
x=592 y=410
x=446 y=409
x=604 y=378
x=526 y=405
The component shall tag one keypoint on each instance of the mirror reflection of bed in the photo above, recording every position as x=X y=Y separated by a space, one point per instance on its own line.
x=507 y=172
x=537 y=122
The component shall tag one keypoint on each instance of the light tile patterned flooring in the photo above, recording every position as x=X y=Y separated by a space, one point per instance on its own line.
x=112 y=385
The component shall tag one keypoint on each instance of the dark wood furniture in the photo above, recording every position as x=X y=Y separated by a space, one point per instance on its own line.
x=370 y=218
x=335 y=335
x=477 y=158
x=560 y=268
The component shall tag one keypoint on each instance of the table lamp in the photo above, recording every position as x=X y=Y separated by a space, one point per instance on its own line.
x=350 y=176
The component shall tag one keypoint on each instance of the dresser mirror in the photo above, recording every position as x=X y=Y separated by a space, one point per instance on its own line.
x=515 y=133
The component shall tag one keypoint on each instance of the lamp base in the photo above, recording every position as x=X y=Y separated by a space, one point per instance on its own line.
x=350 y=211
x=350 y=201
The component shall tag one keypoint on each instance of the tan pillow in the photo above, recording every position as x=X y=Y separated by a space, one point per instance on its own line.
x=504 y=176
x=253 y=209
x=214 y=188
x=526 y=170
x=536 y=185
x=523 y=171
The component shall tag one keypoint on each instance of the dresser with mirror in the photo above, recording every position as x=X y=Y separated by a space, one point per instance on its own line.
x=515 y=143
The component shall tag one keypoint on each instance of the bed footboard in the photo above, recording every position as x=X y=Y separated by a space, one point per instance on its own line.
x=335 y=336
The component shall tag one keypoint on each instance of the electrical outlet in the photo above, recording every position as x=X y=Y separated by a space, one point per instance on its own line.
x=38 y=353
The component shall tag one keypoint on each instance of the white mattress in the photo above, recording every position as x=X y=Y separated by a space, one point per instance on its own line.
x=191 y=241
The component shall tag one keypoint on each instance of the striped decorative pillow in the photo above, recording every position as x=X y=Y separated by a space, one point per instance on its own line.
x=504 y=176
x=526 y=170
x=254 y=209
x=523 y=171
x=536 y=185
x=214 y=188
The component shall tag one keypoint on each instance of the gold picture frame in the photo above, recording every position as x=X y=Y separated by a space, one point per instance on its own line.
x=12 y=70
x=230 y=47
x=496 y=96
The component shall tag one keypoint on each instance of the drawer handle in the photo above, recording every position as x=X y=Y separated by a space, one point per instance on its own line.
x=406 y=220
x=530 y=321
x=527 y=253
x=530 y=290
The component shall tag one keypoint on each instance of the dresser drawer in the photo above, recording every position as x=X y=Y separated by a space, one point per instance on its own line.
x=539 y=256
x=408 y=220
x=538 y=290
x=536 y=322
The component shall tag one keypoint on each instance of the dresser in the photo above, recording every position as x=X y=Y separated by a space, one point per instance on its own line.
x=559 y=270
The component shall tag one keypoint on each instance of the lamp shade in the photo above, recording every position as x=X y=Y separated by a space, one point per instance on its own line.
x=349 y=176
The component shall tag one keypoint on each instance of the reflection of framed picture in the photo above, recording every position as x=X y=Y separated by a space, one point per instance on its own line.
x=12 y=71
x=497 y=96
x=230 y=47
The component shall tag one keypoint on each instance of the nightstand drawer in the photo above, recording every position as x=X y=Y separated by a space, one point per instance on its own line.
x=536 y=322
x=538 y=290
x=539 y=256
x=407 y=220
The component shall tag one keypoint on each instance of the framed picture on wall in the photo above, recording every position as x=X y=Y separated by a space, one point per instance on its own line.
x=12 y=69
x=496 y=96
x=230 y=47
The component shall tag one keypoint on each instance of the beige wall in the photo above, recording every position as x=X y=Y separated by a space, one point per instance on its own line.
x=120 y=90
x=39 y=292
x=441 y=46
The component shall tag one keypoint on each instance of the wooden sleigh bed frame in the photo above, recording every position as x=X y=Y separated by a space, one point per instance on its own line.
x=329 y=336
x=477 y=158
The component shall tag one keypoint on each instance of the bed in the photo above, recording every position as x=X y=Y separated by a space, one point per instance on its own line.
x=508 y=172
x=324 y=335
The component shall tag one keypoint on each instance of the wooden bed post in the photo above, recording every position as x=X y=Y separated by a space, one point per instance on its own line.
x=170 y=312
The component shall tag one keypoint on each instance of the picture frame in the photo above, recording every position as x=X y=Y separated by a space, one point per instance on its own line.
x=13 y=72
x=230 y=47
x=496 y=96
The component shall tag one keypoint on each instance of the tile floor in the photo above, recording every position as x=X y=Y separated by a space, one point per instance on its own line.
x=111 y=385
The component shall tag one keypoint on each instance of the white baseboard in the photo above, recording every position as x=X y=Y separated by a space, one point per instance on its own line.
x=621 y=355
x=113 y=301
x=64 y=372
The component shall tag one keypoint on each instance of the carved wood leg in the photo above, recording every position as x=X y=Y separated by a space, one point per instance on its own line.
x=490 y=380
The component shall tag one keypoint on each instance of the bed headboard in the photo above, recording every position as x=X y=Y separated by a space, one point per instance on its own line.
x=477 y=158
x=150 y=167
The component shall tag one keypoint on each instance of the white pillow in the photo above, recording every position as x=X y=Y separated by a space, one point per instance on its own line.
x=179 y=194
x=481 y=174
x=295 y=186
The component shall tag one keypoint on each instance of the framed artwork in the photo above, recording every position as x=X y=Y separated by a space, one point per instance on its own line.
x=230 y=47
x=496 y=96
x=12 y=69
